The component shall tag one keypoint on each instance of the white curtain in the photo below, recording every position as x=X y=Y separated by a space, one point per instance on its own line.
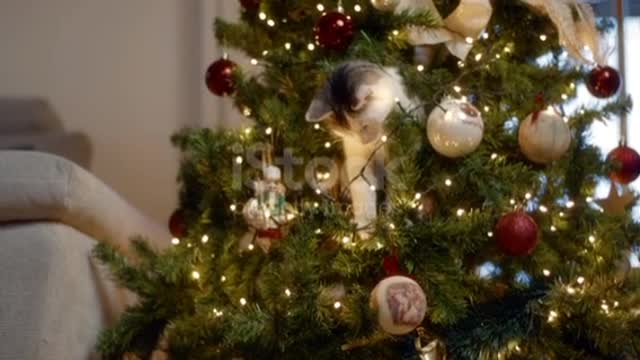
x=215 y=111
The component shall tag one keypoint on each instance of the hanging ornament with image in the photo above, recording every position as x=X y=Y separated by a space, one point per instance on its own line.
x=267 y=212
x=455 y=128
x=544 y=136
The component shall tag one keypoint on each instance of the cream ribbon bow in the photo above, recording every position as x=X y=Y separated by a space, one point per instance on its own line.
x=468 y=20
x=576 y=23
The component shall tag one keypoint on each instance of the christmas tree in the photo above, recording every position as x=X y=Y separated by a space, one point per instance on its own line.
x=411 y=188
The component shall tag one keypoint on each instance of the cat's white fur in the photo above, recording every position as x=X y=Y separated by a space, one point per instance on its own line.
x=360 y=142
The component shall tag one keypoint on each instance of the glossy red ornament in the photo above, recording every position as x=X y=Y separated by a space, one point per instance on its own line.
x=177 y=224
x=517 y=234
x=252 y=5
x=626 y=164
x=604 y=82
x=219 y=77
x=335 y=31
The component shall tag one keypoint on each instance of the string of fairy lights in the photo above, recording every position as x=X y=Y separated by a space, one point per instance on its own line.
x=559 y=208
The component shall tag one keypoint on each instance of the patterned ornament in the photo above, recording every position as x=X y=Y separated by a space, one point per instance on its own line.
x=544 y=137
x=616 y=203
x=251 y=5
x=517 y=234
x=219 y=77
x=266 y=212
x=604 y=82
x=626 y=164
x=455 y=128
x=335 y=31
x=177 y=224
x=576 y=24
x=400 y=303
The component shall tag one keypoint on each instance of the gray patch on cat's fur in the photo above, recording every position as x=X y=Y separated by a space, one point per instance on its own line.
x=339 y=97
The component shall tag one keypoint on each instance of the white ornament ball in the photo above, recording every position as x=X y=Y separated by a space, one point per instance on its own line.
x=455 y=128
x=400 y=303
x=385 y=5
x=544 y=137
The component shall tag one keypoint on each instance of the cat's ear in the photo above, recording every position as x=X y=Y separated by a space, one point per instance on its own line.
x=319 y=110
x=362 y=96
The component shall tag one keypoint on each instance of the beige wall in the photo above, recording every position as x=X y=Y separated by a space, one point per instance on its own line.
x=126 y=72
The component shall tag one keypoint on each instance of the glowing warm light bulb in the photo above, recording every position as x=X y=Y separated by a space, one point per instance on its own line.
x=175 y=241
x=239 y=160
x=448 y=182
x=243 y=301
x=233 y=207
x=205 y=239
x=195 y=275
x=287 y=292
x=337 y=305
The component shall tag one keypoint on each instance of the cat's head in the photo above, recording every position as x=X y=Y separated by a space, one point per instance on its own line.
x=356 y=100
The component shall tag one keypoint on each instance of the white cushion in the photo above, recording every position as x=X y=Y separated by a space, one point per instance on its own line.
x=55 y=298
x=36 y=186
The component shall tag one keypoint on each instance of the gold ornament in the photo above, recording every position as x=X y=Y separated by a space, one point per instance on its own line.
x=434 y=350
x=616 y=203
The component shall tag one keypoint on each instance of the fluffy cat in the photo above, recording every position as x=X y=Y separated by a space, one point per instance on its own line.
x=358 y=98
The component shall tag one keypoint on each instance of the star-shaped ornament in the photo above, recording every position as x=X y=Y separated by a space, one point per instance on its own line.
x=617 y=203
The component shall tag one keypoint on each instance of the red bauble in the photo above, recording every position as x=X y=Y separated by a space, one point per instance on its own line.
x=626 y=165
x=177 y=224
x=335 y=31
x=391 y=265
x=273 y=234
x=517 y=234
x=252 y=5
x=604 y=82
x=219 y=77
